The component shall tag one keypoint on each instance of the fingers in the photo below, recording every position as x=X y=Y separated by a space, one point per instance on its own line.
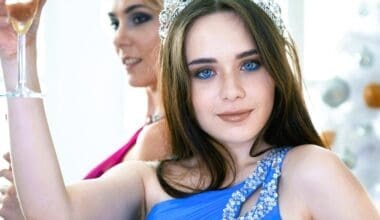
x=4 y=21
x=10 y=190
x=7 y=155
x=3 y=10
x=3 y=190
x=10 y=209
x=7 y=174
x=42 y=3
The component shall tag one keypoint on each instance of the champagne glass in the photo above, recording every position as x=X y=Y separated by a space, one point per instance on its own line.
x=21 y=14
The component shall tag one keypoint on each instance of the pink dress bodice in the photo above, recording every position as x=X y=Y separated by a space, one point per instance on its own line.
x=114 y=158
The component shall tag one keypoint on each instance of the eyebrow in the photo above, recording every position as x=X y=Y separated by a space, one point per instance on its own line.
x=247 y=53
x=201 y=61
x=212 y=60
x=129 y=9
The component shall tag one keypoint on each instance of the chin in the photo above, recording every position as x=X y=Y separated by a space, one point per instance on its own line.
x=140 y=83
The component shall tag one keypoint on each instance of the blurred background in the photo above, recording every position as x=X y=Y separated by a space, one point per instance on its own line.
x=92 y=111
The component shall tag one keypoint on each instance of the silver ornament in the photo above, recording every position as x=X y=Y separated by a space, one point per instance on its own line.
x=336 y=92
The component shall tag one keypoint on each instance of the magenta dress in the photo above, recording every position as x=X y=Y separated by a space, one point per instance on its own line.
x=114 y=158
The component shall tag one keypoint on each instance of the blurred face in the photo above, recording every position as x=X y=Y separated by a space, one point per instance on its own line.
x=232 y=92
x=136 y=40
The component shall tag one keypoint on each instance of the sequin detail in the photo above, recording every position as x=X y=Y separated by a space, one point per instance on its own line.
x=268 y=196
x=172 y=8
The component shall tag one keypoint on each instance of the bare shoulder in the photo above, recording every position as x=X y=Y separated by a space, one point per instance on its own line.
x=311 y=166
x=153 y=142
x=324 y=183
x=304 y=157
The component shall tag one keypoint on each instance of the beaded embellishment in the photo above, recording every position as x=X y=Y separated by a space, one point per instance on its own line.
x=173 y=7
x=268 y=195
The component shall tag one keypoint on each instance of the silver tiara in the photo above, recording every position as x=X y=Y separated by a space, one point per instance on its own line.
x=173 y=7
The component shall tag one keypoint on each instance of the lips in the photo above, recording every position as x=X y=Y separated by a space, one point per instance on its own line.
x=130 y=61
x=235 y=116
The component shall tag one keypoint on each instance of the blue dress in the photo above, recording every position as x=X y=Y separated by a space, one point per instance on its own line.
x=226 y=203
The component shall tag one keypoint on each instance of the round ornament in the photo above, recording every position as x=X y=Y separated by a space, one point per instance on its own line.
x=328 y=137
x=371 y=95
x=336 y=92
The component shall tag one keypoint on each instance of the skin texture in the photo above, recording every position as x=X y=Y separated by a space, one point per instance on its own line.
x=231 y=91
x=131 y=195
x=136 y=40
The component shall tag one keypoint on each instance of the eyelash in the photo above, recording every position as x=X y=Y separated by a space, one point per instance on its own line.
x=139 y=18
x=207 y=73
x=114 y=24
x=134 y=20
x=199 y=74
x=256 y=66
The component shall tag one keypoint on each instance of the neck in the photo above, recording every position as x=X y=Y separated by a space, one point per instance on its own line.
x=155 y=109
x=242 y=155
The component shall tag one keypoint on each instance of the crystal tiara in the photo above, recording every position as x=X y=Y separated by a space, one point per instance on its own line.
x=173 y=7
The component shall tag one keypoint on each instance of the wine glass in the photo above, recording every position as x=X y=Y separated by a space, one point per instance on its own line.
x=21 y=14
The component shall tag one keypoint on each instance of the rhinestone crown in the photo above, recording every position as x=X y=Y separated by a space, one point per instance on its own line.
x=173 y=7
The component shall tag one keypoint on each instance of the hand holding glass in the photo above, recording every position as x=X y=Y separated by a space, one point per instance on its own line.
x=21 y=14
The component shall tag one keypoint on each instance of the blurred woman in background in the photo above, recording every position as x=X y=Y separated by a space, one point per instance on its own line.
x=136 y=41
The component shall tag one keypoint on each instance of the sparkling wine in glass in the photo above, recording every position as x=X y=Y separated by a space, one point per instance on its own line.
x=21 y=14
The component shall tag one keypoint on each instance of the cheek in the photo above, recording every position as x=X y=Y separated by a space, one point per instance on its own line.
x=150 y=49
x=202 y=101
x=149 y=37
x=197 y=101
x=267 y=94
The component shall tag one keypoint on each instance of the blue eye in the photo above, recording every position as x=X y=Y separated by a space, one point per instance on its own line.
x=204 y=74
x=250 y=66
x=140 y=18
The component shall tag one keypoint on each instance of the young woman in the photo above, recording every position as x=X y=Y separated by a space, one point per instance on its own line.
x=136 y=40
x=243 y=143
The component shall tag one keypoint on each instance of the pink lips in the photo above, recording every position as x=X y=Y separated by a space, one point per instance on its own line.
x=237 y=116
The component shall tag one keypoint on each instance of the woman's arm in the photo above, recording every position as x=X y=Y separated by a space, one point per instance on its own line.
x=10 y=208
x=39 y=182
x=37 y=175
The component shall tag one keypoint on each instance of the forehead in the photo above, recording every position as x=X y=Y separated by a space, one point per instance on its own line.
x=218 y=33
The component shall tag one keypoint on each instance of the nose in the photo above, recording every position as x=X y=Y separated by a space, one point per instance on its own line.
x=122 y=38
x=232 y=88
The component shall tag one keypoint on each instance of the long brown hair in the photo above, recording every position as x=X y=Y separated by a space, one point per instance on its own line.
x=288 y=125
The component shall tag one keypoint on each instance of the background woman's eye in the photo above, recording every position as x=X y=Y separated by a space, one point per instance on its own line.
x=140 y=18
x=204 y=74
x=250 y=66
x=114 y=24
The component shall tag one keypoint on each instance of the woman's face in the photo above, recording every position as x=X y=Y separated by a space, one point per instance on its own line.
x=232 y=93
x=136 y=40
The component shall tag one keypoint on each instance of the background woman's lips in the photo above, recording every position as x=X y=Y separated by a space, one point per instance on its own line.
x=234 y=116
x=131 y=61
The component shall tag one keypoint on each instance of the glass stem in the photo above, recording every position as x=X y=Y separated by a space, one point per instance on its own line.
x=21 y=40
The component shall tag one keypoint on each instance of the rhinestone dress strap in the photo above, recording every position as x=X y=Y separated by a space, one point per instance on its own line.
x=268 y=196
